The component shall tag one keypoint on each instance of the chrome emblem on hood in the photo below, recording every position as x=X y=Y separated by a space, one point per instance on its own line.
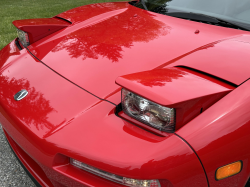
x=20 y=95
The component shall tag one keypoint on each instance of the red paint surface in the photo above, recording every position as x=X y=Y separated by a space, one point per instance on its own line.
x=43 y=111
x=170 y=86
x=114 y=42
x=220 y=136
x=226 y=59
x=58 y=120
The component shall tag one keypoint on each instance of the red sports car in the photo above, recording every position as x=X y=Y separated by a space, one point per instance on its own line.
x=149 y=93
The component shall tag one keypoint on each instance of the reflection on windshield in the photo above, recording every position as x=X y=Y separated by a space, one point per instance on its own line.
x=231 y=10
x=108 y=39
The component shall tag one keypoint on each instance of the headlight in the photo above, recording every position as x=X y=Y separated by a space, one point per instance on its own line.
x=23 y=37
x=148 y=112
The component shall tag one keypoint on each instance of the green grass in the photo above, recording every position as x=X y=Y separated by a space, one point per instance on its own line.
x=11 y=10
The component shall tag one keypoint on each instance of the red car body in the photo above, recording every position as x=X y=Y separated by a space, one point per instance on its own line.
x=74 y=74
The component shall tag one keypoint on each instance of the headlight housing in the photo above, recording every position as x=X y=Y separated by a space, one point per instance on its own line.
x=148 y=112
x=23 y=38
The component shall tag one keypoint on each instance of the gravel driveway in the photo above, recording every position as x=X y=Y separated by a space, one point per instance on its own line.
x=11 y=172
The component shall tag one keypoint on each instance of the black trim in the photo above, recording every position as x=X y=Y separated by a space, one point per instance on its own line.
x=244 y=81
x=18 y=44
x=28 y=173
x=196 y=155
x=212 y=76
x=66 y=78
x=63 y=19
x=118 y=109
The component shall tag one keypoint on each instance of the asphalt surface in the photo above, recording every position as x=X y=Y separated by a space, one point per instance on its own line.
x=11 y=172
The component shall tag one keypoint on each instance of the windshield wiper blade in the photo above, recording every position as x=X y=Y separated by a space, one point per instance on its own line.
x=235 y=25
x=144 y=4
x=206 y=18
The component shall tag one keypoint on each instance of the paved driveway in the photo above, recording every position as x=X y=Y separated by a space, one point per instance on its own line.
x=11 y=172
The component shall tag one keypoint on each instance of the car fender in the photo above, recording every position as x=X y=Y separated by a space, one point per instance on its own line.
x=220 y=136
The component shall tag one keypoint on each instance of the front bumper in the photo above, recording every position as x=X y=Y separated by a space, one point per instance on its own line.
x=37 y=172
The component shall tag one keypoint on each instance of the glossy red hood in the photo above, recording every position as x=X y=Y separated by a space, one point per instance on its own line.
x=108 y=40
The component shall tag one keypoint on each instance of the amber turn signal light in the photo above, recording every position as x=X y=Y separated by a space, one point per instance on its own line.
x=228 y=170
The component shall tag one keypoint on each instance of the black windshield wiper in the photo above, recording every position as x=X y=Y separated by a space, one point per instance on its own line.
x=144 y=4
x=206 y=18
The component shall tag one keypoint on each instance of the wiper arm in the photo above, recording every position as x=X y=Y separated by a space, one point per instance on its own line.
x=206 y=18
x=144 y=4
x=235 y=25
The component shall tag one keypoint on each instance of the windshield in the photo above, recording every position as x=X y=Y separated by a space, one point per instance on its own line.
x=235 y=11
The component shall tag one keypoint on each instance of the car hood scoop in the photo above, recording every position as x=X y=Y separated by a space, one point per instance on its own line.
x=121 y=39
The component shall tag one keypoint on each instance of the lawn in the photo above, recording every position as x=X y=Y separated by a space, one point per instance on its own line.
x=11 y=10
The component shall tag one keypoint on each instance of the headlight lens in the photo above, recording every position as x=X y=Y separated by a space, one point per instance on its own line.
x=23 y=37
x=148 y=112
